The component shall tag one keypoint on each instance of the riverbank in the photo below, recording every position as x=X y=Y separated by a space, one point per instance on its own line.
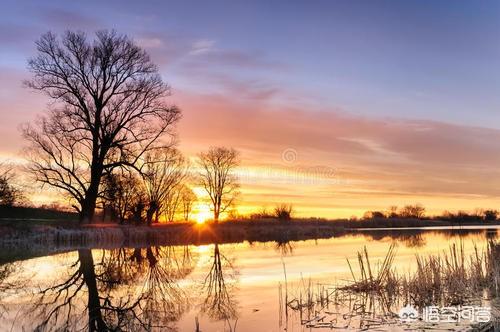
x=23 y=239
x=62 y=232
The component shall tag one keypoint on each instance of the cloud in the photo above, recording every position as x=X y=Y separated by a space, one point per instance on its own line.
x=231 y=58
x=202 y=46
x=64 y=18
x=150 y=43
x=377 y=162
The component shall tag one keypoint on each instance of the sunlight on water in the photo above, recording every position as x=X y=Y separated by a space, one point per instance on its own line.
x=171 y=286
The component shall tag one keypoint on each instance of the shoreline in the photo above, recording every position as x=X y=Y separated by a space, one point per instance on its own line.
x=55 y=231
x=28 y=242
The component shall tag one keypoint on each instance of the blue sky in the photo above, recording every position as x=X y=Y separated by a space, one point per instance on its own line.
x=409 y=59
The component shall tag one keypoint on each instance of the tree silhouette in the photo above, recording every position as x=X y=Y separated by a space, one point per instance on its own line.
x=218 y=179
x=109 y=110
x=10 y=194
x=120 y=191
x=188 y=197
x=412 y=211
x=219 y=303
x=163 y=171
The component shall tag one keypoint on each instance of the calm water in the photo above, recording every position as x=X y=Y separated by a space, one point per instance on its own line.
x=225 y=287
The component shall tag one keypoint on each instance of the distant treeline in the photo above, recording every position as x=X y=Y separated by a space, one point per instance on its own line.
x=44 y=212
x=417 y=211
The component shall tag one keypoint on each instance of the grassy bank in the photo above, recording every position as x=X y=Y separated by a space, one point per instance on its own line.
x=62 y=232
x=165 y=234
x=31 y=238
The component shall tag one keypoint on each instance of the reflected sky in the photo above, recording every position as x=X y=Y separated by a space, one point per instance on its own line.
x=168 y=288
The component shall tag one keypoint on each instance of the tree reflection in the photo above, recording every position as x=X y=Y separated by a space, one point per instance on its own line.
x=8 y=282
x=112 y=301
x=413 y=240
x=283 y=245
x=57 y=302
x=163 y=300
x=218 y=288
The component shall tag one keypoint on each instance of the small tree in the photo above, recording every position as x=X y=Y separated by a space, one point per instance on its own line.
x=163 y=172
x=416 y=211
x=172 y=203
x=392 y=211
x=283 y=212
x=10 y=194
x=218 y=179
x=188 y=198
x=374 y=215
x=490 y=215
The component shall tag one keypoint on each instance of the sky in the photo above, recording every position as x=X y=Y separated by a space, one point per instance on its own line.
x=337 y=107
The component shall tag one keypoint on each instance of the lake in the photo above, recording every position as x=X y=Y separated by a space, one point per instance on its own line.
x=214 y=287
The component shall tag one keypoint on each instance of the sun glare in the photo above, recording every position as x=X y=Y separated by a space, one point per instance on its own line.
x=203 y=215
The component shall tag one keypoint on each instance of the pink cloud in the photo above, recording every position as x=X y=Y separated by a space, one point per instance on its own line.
x=376 y=159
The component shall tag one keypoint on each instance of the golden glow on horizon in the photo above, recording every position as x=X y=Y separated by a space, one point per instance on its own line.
x=203 y=214
x=312 y=196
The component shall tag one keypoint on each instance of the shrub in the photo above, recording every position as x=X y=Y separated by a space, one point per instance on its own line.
x=262 y=214
x=490 y=215
x=416 y=211
x=283 y=212
x=373 y=215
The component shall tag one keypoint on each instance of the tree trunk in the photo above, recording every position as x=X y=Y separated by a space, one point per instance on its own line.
x=149 y=216
x=89 y=203
x=151 y=257
x=96 y=321
x=216 y=211
x=88 y=209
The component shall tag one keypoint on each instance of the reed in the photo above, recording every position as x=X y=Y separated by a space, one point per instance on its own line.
x=369 y=280
x=376 y=292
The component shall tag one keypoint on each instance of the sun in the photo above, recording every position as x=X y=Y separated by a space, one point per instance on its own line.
x=203 y=215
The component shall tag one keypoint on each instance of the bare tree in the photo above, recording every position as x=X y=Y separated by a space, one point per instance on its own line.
x=172 y=203
x=162 y=171
x=217 y=177
x=416 y=211
x=119 y=193
x=10 y=194
x=188 y=198
x=180 y=200
x=283 y=212
x=392 y=212
x=108 y=110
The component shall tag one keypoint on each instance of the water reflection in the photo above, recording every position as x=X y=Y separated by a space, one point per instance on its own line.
x=218 y=288
x=129 y=289
x=415 y=238
x=9 y=283
x=284 y=245
x=170 y=288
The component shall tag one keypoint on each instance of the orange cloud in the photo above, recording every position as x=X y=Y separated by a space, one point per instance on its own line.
x=344 y=164
x=375 y=162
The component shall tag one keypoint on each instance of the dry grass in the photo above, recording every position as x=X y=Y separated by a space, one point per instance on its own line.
x=377 y=291
x=370 y=280
x=453 y=278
